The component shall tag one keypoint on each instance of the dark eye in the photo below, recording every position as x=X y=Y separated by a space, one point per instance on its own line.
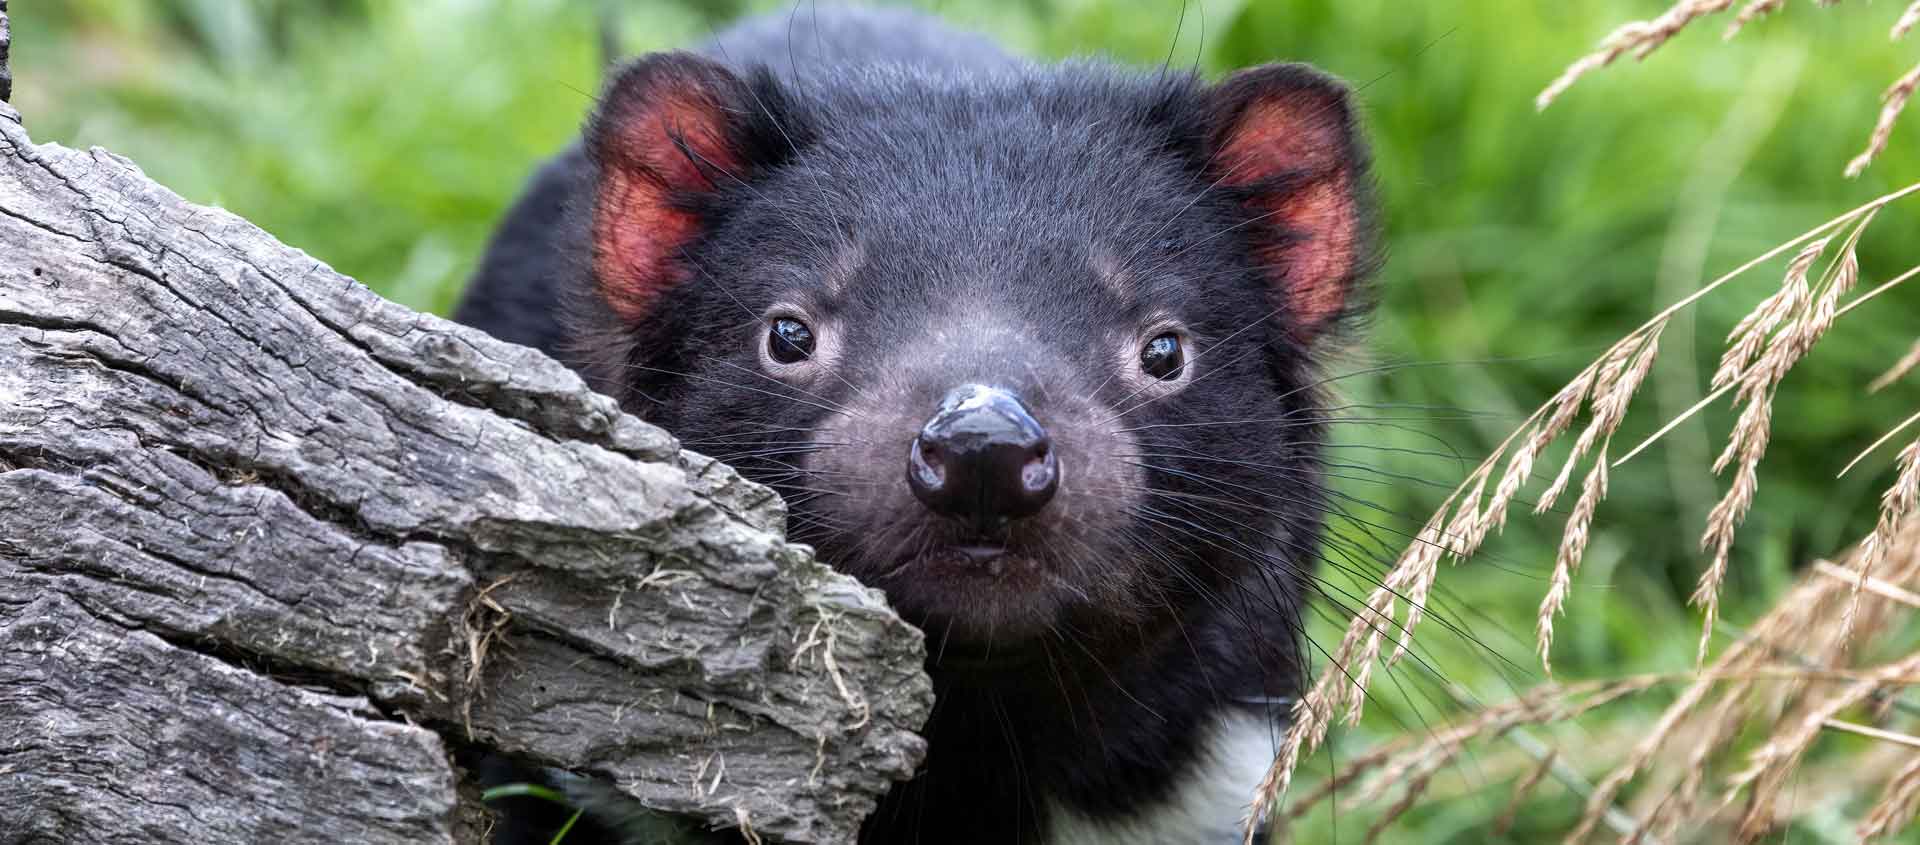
x=789 y=341
x=1163 y=358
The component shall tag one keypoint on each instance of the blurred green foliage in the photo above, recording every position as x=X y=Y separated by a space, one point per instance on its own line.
x=386 y=137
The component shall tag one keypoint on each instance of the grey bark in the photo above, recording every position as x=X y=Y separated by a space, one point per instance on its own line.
x=273 y=548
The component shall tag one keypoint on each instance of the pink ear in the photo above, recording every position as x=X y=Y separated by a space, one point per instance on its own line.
x=1284 y=136
x=666 y=130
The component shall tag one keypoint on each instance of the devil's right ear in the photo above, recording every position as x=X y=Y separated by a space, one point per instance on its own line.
x=670 y=127
x=1284 y=136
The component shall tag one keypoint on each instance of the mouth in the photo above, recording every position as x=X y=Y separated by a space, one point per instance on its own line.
x=997 y=565
x=989 y=559
x=976 y=590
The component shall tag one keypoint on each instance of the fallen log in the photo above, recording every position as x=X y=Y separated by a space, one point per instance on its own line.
x=275 y=554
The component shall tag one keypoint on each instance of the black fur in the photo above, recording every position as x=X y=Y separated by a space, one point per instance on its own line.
x=513 y=294
x=948 y=214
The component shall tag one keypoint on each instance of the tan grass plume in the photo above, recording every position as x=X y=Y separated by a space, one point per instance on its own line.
x=1723 y=752
x=1761 y=351
x=1641 y=38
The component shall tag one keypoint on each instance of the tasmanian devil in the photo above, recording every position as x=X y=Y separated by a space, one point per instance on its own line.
x=1033 y=348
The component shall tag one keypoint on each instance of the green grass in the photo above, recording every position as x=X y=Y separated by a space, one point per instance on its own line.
x=386 y=137
x=534 y=790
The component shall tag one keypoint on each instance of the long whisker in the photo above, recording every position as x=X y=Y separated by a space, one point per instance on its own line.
x=1325 y=588
x=830 y=408
x=761 y=375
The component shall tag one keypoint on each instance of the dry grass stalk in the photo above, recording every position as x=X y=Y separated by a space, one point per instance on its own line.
x=1903 y=425
x=1573 y=546
x=1907 y=19
x=1359 y=649
x=1641 y=38
x=1871 y=584
x=1456 y=529
x=1752 y=10
x=1797 y=317
x=1892 y=103
x=1406 y=767
x=1894 y=737
x=1616 y=378
x=1897 y=508
x=1707 y=718
x=1609 y=788
x=1400 y=772
x=1749 y=336
x=1717 y=393
x=1766 y=344
x=1898 y=371
x=1524 y=790
x=1771 y=766
x=1900 y=801
x=1763 y=348
x=1720 y=705
x=1638 y=37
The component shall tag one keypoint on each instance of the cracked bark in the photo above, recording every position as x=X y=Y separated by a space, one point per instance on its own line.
x=273 y=549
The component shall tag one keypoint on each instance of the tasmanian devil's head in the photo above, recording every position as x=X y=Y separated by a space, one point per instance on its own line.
x=1031 y=352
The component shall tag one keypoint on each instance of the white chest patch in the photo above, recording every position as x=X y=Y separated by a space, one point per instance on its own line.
x=1204 y=809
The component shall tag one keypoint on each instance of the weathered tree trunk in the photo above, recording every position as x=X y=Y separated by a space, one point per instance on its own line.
x=273 y=549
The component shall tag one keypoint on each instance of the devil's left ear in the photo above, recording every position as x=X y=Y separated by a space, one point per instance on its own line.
x=1284 y=137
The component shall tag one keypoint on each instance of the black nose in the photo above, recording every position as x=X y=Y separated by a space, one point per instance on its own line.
x=983 y=458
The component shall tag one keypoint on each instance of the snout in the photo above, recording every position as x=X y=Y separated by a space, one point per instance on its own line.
x=983 y=459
